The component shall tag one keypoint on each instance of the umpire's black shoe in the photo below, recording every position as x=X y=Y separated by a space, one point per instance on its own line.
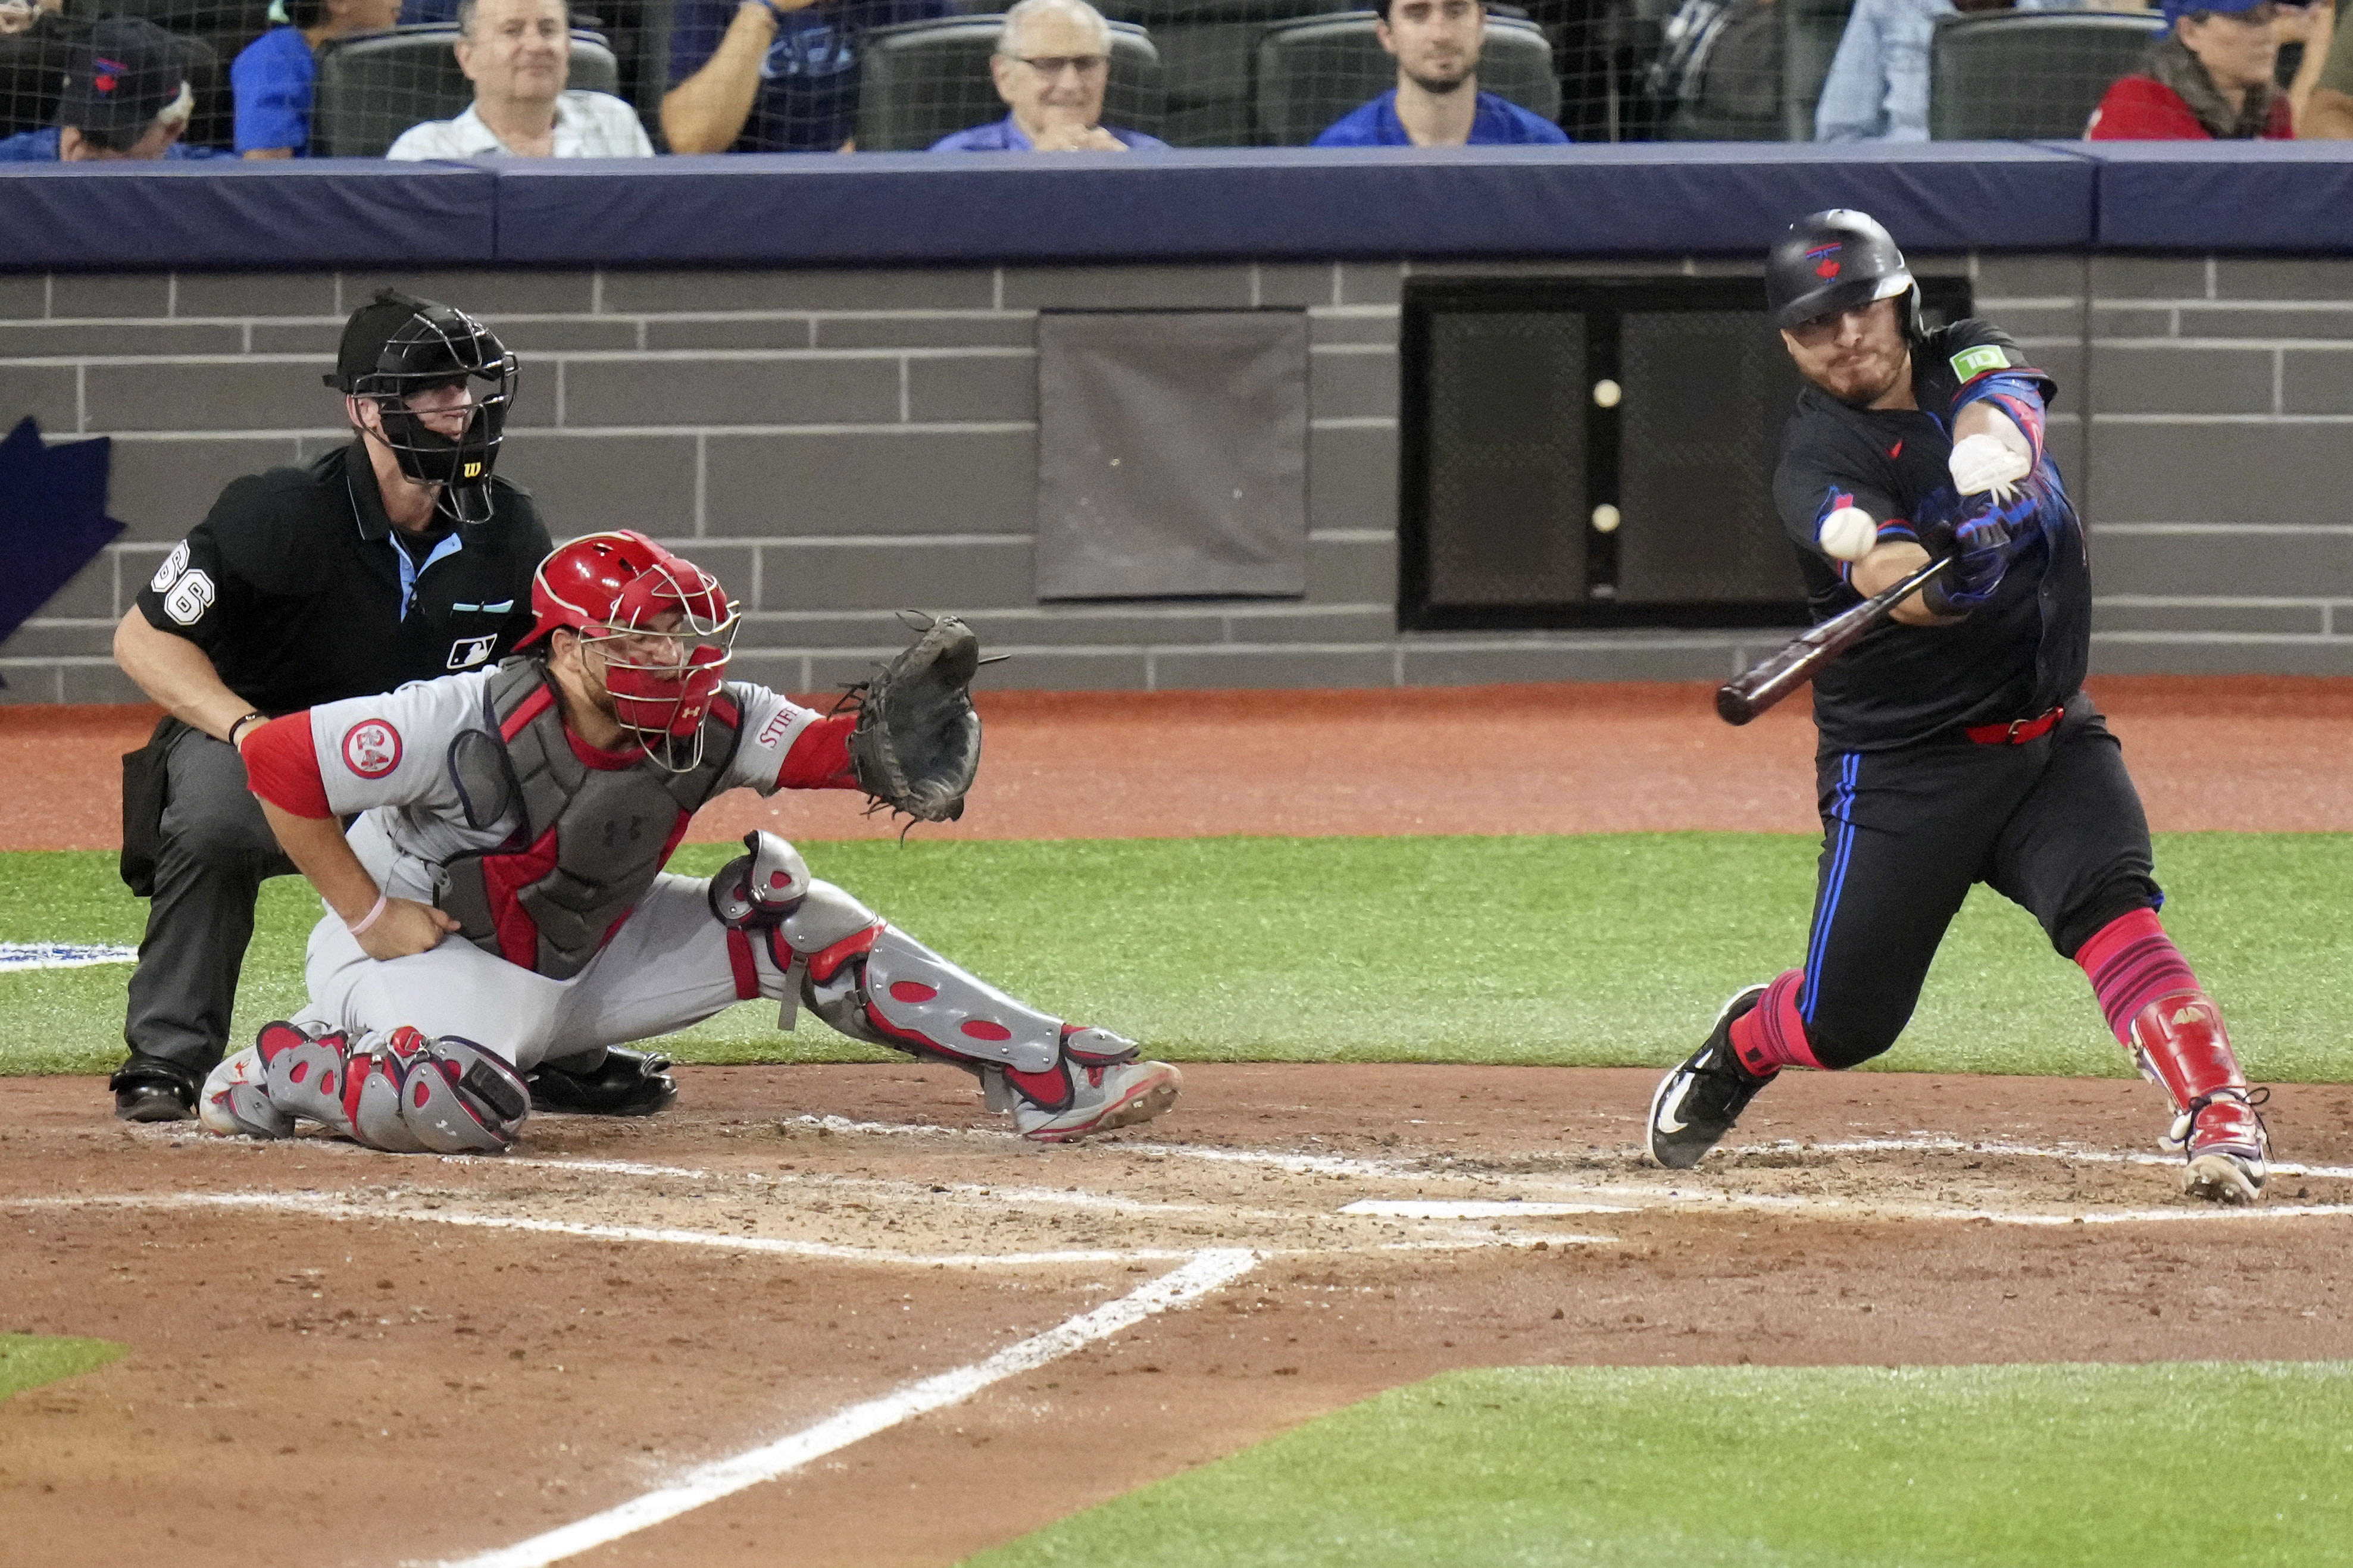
x=623 y=1083
x=149 y=1089
x=1696 y=1104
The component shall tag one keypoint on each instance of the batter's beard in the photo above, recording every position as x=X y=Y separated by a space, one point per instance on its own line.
x=1865 y=397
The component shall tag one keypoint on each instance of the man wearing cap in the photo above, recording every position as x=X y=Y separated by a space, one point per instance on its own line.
x=2210 y=75
x=397 y=557
x=125 y=95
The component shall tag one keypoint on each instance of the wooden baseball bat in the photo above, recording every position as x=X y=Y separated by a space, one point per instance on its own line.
x=1746 y=696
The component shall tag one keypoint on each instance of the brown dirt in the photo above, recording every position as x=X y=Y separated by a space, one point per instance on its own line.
x=2268 y=755
x=383 y=1387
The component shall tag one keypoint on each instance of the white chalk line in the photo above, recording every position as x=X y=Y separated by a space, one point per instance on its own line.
x=1474 y=1208
x=1207 y=1272
x=1985 y=1146
x=322 y=1207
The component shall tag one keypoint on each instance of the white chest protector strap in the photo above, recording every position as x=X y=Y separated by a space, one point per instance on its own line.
x=587 y=841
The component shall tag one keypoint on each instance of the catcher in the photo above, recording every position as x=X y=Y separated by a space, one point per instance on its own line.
x=501 y=902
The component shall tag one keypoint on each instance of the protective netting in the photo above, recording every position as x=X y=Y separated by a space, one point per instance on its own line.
x=350 y=77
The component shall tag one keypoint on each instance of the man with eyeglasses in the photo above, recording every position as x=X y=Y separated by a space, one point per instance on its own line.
x=2210 y=77
x=1437 y=102
x=1051 y=65
x=396 y=557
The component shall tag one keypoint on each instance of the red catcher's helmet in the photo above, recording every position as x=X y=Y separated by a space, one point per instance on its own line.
x=613 y=589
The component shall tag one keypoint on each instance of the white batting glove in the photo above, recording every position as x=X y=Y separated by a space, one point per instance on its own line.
x=1983 y=462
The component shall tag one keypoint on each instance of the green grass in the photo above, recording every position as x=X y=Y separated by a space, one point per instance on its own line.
x=2199 y=1465
x=28 y=1361
x=1595 y=949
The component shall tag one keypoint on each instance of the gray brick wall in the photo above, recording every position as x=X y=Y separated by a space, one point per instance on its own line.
x=840 y=444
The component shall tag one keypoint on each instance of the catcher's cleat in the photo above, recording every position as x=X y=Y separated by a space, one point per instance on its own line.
x=235 y=1098
x=1090 y=1097
x=2227 y=1147
x=150 y=1089
x=1695 y=1105
x=612 y=1082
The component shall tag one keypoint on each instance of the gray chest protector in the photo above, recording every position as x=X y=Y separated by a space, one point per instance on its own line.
x=590 y=840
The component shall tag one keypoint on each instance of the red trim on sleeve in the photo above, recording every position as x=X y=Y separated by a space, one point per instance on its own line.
x=281 y=766
x=819 y=755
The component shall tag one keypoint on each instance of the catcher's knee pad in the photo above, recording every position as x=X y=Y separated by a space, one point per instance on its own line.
x=823 y=928
x=762 y=887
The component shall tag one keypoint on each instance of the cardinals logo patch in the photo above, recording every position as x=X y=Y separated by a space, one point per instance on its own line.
x=371 y=748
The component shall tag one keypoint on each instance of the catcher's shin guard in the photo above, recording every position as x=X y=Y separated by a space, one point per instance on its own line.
x=2179 y=1042
x=1098 y=1085
x=398 y=1091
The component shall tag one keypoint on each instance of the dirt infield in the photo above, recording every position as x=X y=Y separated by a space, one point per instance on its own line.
x=2269 y=754
x=341 y=1357
x=350 y=1358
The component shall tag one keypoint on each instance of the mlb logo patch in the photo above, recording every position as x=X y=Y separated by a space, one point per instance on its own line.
x=467 y=652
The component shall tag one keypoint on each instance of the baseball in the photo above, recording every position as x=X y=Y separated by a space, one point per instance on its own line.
x=1608 y=393
x=1605 y=518
x=1848 y=533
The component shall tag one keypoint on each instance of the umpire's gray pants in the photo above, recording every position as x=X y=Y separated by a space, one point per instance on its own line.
x=216 y=848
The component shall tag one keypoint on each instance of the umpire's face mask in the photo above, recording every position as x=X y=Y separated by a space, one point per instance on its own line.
x=443 y=414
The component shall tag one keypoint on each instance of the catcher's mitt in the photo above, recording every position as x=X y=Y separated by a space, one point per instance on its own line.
x=917 y=742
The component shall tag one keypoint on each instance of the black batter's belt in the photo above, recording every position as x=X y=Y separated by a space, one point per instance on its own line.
x=2017 y=732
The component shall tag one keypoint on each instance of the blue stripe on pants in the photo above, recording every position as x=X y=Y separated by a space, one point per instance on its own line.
x=1842 y=851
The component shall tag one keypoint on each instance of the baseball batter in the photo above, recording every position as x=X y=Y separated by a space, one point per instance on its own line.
x=1957 y=746
x=501 y=898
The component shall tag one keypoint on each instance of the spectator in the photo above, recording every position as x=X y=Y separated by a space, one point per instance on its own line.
x=1051 y=65
x=773 y=75
x=2210 y=77
x=2329 y=113
x=36 y=43
x=518 y=55
x=1877 y=90
x=125 y=94
x=272 y=76
x=1437 y=102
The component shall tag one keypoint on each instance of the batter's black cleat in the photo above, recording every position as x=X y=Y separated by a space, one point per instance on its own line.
x=1696 y=1104
x=149 y=1089
x=613 y=1083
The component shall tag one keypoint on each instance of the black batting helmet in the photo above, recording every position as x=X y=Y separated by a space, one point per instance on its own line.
x=397 y=346
x=1837 y=260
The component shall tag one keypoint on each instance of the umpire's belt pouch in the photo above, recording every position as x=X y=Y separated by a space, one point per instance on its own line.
x=146 y=785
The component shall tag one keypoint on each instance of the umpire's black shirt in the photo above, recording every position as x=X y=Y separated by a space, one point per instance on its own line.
x=2021 y=654
x=298 y=589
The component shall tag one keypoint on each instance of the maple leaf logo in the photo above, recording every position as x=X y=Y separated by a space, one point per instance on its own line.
x=53 y=519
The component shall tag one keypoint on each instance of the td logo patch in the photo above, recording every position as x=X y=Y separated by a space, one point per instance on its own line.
x=371 y=748
x=1983 y=360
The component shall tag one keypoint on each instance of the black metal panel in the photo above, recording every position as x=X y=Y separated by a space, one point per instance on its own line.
x=1507 y=456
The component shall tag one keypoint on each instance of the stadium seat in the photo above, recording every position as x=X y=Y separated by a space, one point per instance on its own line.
x=373 y=86
x=1311 y=72
x=2032 y=74
x=1811 y=31
x=919 y=81
x=1206 y=49
x=250 y=17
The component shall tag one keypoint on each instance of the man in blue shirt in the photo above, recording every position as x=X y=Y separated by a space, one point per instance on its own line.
x=1437 y=102
x=772 y=76
x=272 y=76
x=125 y=96
x=1051 y=65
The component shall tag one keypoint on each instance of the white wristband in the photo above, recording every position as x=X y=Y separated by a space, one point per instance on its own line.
x=370 y=917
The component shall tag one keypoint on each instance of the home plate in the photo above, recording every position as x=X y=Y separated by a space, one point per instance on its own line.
x=1472 y=1208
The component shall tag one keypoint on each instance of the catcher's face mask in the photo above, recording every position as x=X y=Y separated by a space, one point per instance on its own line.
x=659 y=626
x=442 y=383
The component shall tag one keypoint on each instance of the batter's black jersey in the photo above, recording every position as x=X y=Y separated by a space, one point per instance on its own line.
x=2021 y=654
x=296 y=588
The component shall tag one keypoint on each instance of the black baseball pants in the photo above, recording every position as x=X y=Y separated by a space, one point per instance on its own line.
x=2054 y=824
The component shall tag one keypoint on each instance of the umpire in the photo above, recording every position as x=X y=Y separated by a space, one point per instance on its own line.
x=399 y=557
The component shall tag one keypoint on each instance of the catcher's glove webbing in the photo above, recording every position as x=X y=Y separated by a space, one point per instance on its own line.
x=917 y=742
